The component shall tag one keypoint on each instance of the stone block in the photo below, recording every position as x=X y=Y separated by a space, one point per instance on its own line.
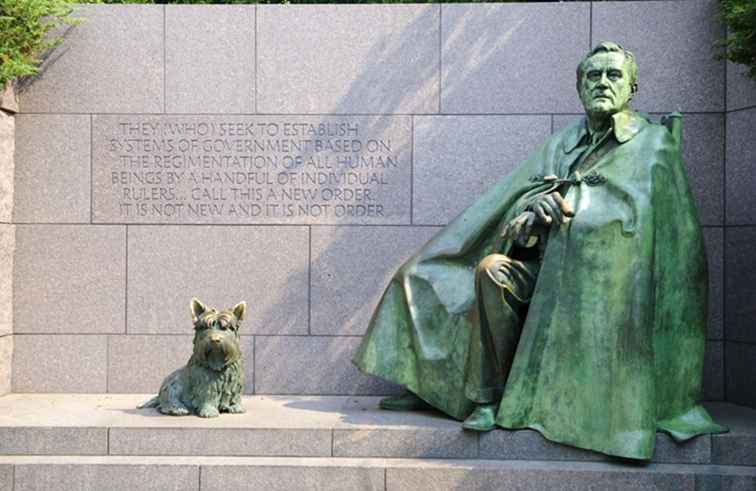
x=59 y=363
x=741 y=158
x=6 y=356
x=252 y=169
x=113 y=477
x=69 y=279
x=694 y=451
x=360 y=59
x=735 y=449
x=456 y=158
x=52 y=182
x=741 y=358
x=703 y=154
x=138 y=364
x=538 y=476
x=673 y=45
x=713 y=380
x=265 y=266
x=209 y=58
x=740 y=289
x=432 y=443
x=512 y=58
x=714 y=240
x=312 y=365
x=112 y=62
x=289 y=477
x=561 y=121
x=738 y=446
x=6 y=476
x=7 y=150
x=530 y=445
x=741 y=90
x=59 y=440
x=351 y=267
x=7 y=250
x=718 y=482
x=224 y=442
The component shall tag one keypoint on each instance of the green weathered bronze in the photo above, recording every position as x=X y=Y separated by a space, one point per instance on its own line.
x=212 y=381
x=571 y=298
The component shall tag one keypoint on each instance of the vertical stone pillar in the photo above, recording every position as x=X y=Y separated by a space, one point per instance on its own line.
x=7 y=236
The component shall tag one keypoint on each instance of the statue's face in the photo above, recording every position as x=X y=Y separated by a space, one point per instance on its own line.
x=605 y=87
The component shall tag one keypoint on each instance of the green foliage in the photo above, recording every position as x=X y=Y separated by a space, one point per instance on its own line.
x=25 y=34
x=740 y=18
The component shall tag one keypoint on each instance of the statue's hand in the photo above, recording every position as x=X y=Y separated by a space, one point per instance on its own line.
x=551 y=208
x=520 y=227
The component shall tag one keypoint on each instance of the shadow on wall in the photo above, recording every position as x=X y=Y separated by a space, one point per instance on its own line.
x=329 y=371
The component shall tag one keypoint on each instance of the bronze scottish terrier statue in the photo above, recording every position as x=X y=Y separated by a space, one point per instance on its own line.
x=212 y=381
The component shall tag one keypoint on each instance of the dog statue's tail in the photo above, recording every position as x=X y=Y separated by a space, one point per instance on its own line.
x=154 y=402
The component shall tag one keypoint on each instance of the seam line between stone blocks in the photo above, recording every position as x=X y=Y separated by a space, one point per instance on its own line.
x=254 y=364
x=107 y=365
x=180 y=224
x=723 y=298
x=412 y=170
x=199 y=477
x=309 y=279
x=165 y=61
x=336 y=115
x=126 y=286
x=91 y=170
x=741 y=109
x=252 y=391
x=440 y=53
x=256 y=64
x=590 y=26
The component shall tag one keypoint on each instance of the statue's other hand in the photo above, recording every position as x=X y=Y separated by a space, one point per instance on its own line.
x=551 y=208
x=520 y=227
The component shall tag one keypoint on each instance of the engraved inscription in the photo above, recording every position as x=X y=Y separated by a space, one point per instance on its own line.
x=251 y=169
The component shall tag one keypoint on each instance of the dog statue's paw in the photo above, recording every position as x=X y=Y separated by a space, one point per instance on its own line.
x=174 y=410
x=233 y=409
x=207 y=412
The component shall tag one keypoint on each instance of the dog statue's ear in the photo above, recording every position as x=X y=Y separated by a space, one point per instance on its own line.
x=240 y=310
x=197 y=309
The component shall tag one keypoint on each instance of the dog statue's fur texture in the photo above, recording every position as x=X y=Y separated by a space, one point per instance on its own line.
x=212 y=381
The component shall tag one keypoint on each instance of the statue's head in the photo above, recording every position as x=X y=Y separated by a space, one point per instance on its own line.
x=607 y=79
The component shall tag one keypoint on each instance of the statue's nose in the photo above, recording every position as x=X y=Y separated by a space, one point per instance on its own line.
x=215 y=339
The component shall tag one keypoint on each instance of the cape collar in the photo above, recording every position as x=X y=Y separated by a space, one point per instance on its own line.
x=625 y=125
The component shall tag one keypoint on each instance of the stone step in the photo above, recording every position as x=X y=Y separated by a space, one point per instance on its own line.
x=342 y=427
x=115 y=473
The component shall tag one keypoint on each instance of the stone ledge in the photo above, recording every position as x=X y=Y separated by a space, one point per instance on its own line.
x=227 y=473
x=314 y=426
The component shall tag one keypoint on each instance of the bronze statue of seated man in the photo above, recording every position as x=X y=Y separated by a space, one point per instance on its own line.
x=571 y=297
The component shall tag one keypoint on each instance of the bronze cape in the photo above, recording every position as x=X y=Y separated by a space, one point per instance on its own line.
x=611 y=348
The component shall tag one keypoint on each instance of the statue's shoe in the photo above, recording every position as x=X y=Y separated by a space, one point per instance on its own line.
x=403 y=402
x=482 y=419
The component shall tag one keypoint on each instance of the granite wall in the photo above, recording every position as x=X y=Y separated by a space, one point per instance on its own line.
x=136 y=186
x=740 y=238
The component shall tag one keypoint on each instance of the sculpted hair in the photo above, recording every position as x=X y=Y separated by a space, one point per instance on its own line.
x=610 y=47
